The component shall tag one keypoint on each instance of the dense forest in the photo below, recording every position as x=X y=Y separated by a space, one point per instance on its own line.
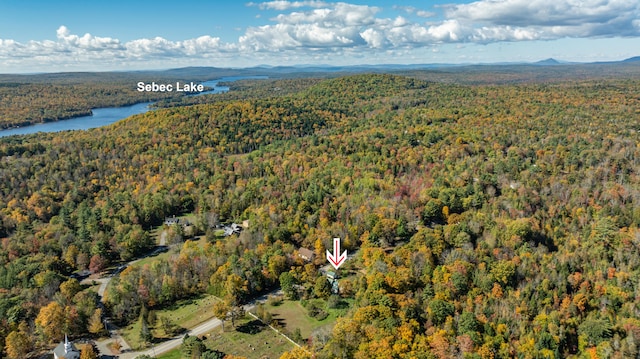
x=489 y=220
x=244 y=90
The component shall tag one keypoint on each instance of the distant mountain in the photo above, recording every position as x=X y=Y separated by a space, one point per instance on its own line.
x=270 y=70
x=202 y=72
x=548 y=62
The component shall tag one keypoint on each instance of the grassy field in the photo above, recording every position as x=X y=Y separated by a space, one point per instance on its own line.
x=292 y=315
x=92 y=287
x=163 y=255
x=131 y=335
x=185 y=313
x=201 y=240
x=190 y=313
x=250 y=339
x=173 y=354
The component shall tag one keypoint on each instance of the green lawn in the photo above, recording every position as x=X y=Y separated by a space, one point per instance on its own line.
x=131 y=335
x=190 y=313
x=92 y=287
x=292 y=315
x=173 y=354
x=249 y=339
x=185 y=313
x=147 y=260
x=201 y=240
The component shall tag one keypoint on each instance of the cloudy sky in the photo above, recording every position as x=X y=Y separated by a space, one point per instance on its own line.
x=75 y=35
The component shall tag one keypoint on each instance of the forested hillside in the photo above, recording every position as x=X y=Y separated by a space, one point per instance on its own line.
x=26 y=104
x=244 y=90
x=30 y=99
x=492 y=221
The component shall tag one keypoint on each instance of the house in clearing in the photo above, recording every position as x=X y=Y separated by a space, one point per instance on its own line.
x=234 y=228
x=332 y=277
x=306 y=254
x=170 y=221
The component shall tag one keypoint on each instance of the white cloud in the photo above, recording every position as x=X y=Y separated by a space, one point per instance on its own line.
x=316 y=30
x=340 y=14
x=334 y=25
x=152 y=47
x=413 y=10
x=89 y=50
x=158 y=46
x=87 y=42
x=554 y=18
x=331 y=27
x=503 y=33
x=286 y=5
x=425 y=14
x=374 y=38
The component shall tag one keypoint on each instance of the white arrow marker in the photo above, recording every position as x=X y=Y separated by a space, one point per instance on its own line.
x=336 y=259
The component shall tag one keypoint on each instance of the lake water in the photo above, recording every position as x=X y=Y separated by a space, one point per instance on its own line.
x=108 y=115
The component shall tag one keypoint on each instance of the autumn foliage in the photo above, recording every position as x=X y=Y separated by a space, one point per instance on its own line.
x=488 y=221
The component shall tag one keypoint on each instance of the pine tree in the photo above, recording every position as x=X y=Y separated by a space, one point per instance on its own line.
x=145 y=332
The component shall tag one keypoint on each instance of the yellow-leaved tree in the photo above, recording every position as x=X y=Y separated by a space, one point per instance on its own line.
x=51 y=322
x=17 y=344
x=297 y=353
x=88 y=352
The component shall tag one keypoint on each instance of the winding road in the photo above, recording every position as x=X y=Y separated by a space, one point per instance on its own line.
x=175 y=342
x=199 y=330
x=126 y=351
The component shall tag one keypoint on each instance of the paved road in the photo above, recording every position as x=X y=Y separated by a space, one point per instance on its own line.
x=103 y=345
x=200 y=330
x=176 y=341
x=163 y=347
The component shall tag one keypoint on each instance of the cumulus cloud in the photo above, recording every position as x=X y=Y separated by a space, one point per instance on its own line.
x=414 y=10
x=319 y=29
x=340 y=15
x=86 y=42
x=286 y=5
x=544 y=12
x=374 y=38
x=336 y=25
x=71 y=49
x=331 y=27
x=553 y=18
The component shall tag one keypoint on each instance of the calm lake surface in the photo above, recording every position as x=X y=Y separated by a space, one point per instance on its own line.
x=108 y=115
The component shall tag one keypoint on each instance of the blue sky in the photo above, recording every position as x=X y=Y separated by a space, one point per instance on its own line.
x=125 y=35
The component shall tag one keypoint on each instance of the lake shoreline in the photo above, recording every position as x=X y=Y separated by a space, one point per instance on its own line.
x=104 y=116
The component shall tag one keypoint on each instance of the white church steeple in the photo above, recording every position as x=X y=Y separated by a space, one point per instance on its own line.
x=67 y=346
x=66 y=350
